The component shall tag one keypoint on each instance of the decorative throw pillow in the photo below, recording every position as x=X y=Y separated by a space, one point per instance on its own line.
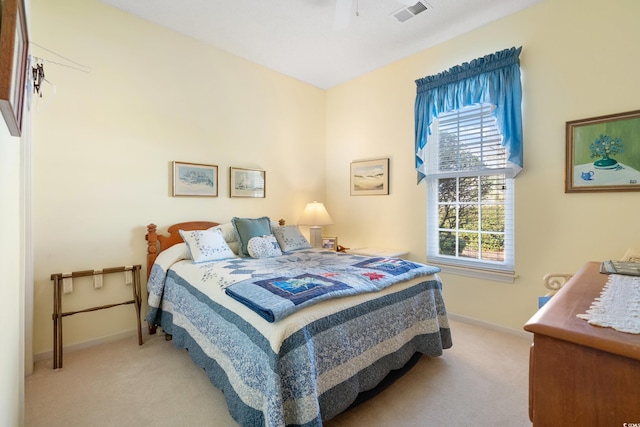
x=290 y=238
x=206 y=245
x=229 y=233
x=263 y=247
x=246 y=228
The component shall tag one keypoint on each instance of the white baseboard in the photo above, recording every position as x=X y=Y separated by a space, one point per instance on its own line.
x=86 y=344
x=488 y=325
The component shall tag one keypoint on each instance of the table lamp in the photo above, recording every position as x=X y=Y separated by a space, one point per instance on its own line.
x=315 y=215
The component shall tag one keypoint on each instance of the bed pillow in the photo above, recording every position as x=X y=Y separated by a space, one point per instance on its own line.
x=229 y=233
x=290 y=238
x=246 y=228
x=263 y=247
x=234 y=246
x=175 y=253
x=206 y=245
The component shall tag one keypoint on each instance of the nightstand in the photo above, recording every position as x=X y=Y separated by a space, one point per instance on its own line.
x=379 y=252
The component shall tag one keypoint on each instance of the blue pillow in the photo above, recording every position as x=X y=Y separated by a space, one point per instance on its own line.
x=246 y=228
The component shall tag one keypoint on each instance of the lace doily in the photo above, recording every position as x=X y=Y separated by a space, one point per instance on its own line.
x=618 y=306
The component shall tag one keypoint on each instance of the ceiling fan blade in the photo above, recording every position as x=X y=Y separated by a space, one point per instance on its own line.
x=342 y=15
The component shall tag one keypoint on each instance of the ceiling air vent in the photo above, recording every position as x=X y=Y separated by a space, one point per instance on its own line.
x=409 y=12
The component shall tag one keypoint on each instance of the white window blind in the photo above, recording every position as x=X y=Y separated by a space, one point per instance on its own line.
x=470 y=200
x=466 y=140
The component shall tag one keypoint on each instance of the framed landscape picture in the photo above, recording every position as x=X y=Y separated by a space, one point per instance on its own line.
x=370 y=177
x=195 y=179
x=603 y=153
x=247 y=182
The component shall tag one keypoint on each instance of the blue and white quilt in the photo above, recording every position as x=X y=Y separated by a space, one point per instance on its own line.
x=319 y=276
x=309 y=364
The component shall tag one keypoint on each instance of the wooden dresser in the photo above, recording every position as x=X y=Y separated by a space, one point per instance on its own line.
x=580 y=374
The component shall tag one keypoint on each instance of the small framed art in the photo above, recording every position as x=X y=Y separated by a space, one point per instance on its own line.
x=247 y=182
x=13 y=60
x=603 y=153
x=370 y=177
x=330 y=243
x=195 y=179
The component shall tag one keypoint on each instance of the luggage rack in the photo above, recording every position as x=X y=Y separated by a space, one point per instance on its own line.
x=58 y=314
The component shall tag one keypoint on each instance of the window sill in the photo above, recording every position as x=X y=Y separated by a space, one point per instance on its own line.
x=478 y=273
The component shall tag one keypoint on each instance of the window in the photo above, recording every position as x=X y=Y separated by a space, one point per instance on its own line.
x=468 y=130
x=470 y=192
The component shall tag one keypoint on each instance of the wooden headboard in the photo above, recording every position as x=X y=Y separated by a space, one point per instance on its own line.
x=157 y=243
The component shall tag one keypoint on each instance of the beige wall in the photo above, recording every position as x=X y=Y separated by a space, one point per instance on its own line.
x=104 y=142
x=578 y=60
x=11 y=281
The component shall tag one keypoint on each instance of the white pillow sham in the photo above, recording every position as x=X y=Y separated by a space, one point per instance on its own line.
x=175 y=253
x=229 y=233
x=206 y=245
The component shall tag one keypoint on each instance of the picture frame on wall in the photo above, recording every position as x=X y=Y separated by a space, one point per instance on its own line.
x=603 y=153
x=194 y=179
x=247 y=182
x=330 y=243
x=13 y=63
x=370 y=177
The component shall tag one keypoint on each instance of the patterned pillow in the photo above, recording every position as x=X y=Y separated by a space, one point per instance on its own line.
x=290 y=238
x=206 y=245
x=229 y=233
x=263 y=247
x=246 y=228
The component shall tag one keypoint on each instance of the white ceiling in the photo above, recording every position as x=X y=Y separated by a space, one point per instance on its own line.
x=297 y=37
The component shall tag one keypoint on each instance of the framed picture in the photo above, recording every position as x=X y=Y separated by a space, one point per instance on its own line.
x=194 y=179
x=13 y=63
x=370 y=177
x=330 y=243
x=603 y=153
x=247 y=182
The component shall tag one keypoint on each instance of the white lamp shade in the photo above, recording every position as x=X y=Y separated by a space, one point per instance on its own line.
x=315 y=214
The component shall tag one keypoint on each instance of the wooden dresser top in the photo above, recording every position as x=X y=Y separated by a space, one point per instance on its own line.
x=558 y=317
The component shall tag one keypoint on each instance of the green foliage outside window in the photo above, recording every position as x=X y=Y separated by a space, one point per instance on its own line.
x=460 y=200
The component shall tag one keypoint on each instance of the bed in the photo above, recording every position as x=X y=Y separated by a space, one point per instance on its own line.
x=307 y=362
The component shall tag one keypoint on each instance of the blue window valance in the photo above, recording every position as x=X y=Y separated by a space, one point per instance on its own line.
x=493 y=79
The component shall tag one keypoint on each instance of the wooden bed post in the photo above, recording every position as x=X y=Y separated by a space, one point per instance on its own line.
x=152 y=253
x=152 y=246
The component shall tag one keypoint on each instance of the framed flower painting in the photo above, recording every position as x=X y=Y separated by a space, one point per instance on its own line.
x=603 y=153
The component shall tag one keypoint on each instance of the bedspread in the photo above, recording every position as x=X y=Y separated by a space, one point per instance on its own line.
x=319 y=276
x=307 y=367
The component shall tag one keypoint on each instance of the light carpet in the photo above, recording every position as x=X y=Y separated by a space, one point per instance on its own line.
x=481 y=381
